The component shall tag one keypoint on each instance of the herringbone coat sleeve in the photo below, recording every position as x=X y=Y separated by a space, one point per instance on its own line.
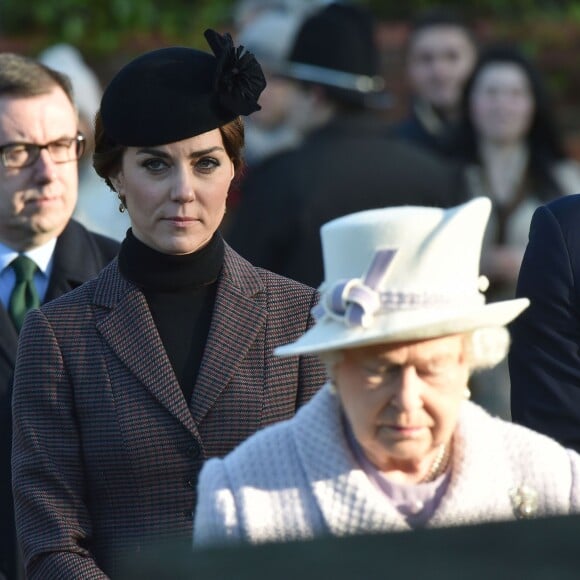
x=49 y=449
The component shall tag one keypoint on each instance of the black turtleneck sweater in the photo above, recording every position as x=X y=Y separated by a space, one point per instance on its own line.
x=180 y=291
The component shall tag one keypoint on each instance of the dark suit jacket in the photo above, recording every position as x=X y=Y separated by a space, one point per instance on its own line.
x=78 y=256
x=544 y=360
x=413 y=131
x=106 y=449
x=347 y=166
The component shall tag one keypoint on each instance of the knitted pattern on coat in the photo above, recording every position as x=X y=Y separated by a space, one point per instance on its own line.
x=298 y=479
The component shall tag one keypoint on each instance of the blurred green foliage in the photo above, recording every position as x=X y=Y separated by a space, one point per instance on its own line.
x=105 y=26
x=109 y=31
x=496 y=9
x=102 y=27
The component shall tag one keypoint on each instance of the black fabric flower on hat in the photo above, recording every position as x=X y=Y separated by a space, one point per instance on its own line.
x=239 y=79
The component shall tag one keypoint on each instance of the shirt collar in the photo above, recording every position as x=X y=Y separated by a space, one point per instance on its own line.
x=40 y=255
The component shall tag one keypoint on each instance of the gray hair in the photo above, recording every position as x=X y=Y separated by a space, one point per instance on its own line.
x=487 y=347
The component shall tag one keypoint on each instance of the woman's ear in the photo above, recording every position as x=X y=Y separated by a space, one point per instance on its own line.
x=116 y=183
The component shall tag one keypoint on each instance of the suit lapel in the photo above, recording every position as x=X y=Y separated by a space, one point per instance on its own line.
x=239 y=314
x=72 y=264
x=8 y=337
x=128 y=328
x=69 y=269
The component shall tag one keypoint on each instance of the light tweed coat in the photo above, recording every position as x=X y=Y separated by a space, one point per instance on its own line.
x=297 y=480
x=106 y=450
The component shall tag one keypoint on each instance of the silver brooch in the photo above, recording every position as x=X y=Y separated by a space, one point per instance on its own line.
x=524 y=501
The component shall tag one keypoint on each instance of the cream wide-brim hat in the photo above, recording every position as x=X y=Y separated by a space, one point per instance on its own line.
x=402 y=274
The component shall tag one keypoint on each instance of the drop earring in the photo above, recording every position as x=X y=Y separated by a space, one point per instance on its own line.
x=122 y=205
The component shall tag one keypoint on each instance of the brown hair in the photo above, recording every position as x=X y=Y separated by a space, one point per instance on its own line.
x=233 y=138
x=108 y=155
x=21 y=76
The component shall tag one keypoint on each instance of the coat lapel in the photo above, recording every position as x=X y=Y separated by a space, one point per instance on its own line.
x=475 y=492
x=348 y=500
x=239 y=315
x=128 y=328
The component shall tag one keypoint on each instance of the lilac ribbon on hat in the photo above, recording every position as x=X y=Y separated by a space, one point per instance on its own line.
x=239 y=79
x=356 y=301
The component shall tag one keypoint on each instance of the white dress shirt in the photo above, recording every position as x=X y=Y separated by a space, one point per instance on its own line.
x=42 y=256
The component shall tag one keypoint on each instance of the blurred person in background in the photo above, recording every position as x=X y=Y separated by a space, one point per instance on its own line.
x=344 y=163
x=269 y=36
x=124 y=387
x=267 y=28
x=43 y=252
x=391 y=442
x=512 y=151
x=244 y=11
x=441 y=52
x=96 y=202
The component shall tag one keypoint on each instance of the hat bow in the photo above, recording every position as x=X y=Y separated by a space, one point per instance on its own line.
x=356 y=302
x=239 y=79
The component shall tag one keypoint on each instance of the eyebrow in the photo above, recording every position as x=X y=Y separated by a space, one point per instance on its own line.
x=194 y=154
x=27 y=142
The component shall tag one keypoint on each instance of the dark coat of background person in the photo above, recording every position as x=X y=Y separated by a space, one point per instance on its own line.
x=346 y=166
x=135 y=452
x=345 y=162
x=79 y=256
x=544 y=360
x=412 y=130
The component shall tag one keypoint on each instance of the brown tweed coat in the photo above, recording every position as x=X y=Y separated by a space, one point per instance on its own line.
x=106 y=451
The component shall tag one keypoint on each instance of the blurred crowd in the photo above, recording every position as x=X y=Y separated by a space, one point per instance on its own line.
x=480 y=110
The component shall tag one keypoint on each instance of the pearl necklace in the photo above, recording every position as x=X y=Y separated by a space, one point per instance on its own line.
x=439 y=464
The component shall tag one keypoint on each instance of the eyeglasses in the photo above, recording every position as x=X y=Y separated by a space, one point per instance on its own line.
x=18 y=155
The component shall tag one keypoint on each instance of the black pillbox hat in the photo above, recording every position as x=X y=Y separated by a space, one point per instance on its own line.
x=174 y=93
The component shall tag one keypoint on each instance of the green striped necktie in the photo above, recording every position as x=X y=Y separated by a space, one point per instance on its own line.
x=24 y=295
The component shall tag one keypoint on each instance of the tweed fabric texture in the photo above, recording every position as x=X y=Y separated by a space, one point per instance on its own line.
x=106 y=450
x=298 y=479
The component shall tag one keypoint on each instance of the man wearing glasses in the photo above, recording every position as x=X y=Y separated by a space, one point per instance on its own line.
x=43 y=253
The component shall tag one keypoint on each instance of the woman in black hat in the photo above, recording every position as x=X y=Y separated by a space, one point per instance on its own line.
x=126 y=386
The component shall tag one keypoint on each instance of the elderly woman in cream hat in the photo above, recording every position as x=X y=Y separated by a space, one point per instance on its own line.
x=391 y=442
